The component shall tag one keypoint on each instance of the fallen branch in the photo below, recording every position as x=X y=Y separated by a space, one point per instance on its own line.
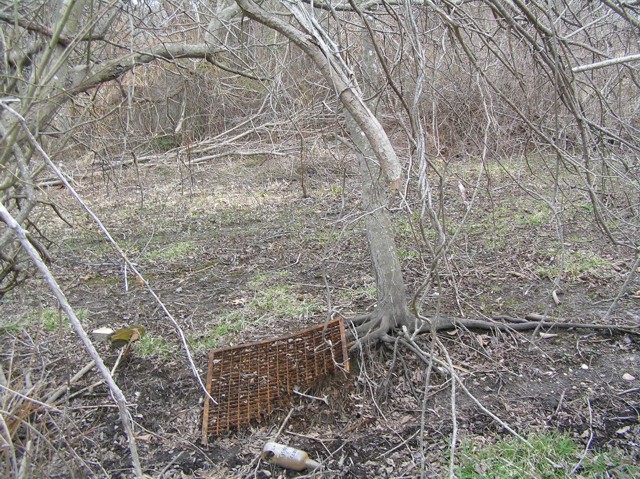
x=53 y=397
x=148 y=162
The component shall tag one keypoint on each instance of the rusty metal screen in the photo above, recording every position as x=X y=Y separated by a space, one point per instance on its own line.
x=249 y=380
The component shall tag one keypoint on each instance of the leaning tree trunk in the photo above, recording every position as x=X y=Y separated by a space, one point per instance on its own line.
x=391 y=308
x=380 y=165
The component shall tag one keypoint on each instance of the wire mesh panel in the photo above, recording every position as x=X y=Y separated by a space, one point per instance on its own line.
x=250 y=380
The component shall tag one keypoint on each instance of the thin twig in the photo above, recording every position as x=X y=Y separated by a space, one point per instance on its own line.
x=87 y=388
x=454 y=420
x=8 y=445
x=560 y=401
x=284 y=423
x=630 y=277
x=423 y=408
x=323 y=399
x=53 y=397
x=586 y=448
x=632 y=390
x=115 y=366
x=34 y=401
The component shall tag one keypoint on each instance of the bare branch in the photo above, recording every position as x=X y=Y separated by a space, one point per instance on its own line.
x=606 y=63
x=336 y=72
x=125 y=415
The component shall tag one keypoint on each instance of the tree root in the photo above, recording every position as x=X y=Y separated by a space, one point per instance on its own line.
x=371 y=327
x=530 y=322
x=379 y=325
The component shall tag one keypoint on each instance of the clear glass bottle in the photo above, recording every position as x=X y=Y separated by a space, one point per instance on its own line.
x=288 y=457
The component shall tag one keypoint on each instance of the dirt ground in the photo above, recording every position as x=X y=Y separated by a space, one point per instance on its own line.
x=213 y=239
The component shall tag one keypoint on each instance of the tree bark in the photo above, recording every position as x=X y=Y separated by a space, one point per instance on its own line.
x=391 y=308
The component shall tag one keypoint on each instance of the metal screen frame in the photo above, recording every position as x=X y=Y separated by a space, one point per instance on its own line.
x=248 y=381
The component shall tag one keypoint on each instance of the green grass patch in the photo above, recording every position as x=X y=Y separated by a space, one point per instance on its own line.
x=406 y=254
x=551 y=456
x=537 y=218
x=336 y=190
x=278 y=300
x=324 y=238
x=164 y=143
x=267 y=297
x=152 y=346
x=50 y=319
x=367 y=292
x=577 y=264
x=54 y=319
x=203 y=344
x=230 y=324
x=174 y=252
x=14 y=326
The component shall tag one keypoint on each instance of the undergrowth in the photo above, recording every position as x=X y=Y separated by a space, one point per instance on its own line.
x=550 y=456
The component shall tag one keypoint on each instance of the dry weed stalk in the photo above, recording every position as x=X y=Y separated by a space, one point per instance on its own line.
x=28 y=423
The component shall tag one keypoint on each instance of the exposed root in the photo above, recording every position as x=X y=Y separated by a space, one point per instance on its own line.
x=379 y=325
x=370 y=324
x=370 y=328
x=530 y=322
x=362 y=318
x=376 y=326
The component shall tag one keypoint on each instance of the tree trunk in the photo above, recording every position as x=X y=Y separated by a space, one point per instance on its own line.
x=377 y=158
x=391 y=308
x=326 y=56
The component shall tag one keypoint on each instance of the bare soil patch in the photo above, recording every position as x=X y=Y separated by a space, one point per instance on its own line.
x=225 y=246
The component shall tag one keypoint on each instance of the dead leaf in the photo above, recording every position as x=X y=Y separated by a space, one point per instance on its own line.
x=125 y=336
x=135 y=335
x=406 y=420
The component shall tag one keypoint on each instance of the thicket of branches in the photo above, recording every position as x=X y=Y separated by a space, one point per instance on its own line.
x=118 y=83
x=466 y=79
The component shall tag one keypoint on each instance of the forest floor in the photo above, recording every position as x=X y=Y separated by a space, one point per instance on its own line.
x=237 y=254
